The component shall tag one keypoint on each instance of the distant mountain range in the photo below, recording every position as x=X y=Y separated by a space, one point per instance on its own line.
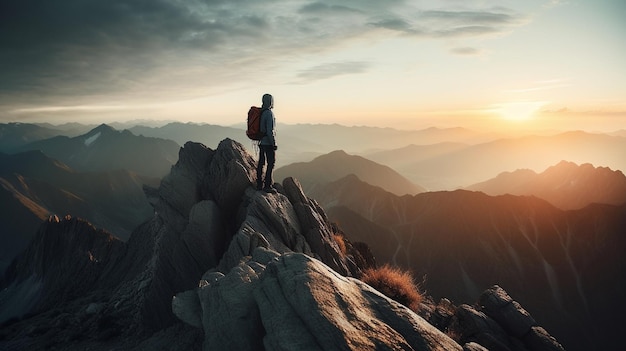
x=303 y=142
x=104 y=148
x=567 y=266
x=338 y=164
x=34 y=186
x=452 y=166
x=565 y=185
x=15 y=135
x=434 y=158
x=207 y=134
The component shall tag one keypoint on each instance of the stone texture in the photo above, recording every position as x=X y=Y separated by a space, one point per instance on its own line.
x=185 y=306
x=472 y=346
x=295 y=302
x=538 y=339
x=497 y=304
x=231 y=172
x=40 y=279
x=206 y=236
x=475 y=326
x=315 y=226
x=181 y=188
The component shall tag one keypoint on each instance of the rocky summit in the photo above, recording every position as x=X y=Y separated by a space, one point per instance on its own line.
x=222 y=266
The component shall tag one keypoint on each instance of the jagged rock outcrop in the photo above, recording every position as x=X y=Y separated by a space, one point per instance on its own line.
x=495 y=322
x=295 y=302
x=208 y=216
x=65 y=260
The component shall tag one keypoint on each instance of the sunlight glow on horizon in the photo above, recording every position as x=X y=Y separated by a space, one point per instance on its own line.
x=518 y=111
x=402 y=65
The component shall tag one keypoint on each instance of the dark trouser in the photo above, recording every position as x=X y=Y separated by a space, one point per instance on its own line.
x=265 y=152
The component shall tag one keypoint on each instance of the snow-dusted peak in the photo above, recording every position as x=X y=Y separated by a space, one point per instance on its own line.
x=91 y=139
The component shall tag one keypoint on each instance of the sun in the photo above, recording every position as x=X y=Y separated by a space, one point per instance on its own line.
x=518 y=111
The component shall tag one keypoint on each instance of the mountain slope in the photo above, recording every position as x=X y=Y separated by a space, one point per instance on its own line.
x=565 y=185
x=183 y=132
x=103 y=149
x=558 y=263
x=15 y=135
x=34 y=186
x=338 y=164
x=359 y=139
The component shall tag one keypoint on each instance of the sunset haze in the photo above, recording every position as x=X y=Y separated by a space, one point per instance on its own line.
x=486 y=65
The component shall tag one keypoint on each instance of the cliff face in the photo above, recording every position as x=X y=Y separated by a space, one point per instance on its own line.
x=243 y=269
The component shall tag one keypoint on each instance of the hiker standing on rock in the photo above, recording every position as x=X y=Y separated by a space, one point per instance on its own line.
x=267 y=145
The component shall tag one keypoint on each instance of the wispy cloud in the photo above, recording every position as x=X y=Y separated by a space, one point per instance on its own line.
x=450 y=23
x=329 y=70
x=466 y=51
x=75 y=50
x=549 y=84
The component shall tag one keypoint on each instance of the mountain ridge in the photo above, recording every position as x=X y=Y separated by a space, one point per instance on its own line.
x=104 y=148
x=337 y=164
x=35 y=186
x=566 y=185
x=517 y=241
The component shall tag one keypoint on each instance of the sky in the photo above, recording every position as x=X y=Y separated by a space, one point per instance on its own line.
x=480 y=64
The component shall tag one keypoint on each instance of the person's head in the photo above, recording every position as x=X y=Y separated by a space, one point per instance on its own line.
x=268 y=101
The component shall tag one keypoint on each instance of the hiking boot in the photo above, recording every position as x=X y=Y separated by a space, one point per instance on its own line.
x=270 y=189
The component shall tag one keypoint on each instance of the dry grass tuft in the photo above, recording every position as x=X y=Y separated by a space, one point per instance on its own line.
x=395 y=284
x=341 y=243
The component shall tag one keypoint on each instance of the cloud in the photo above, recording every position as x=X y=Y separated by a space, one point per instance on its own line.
x=326 y=9
x=447 y=24
x=81 y=52
x=466 y=51
x=329 y=70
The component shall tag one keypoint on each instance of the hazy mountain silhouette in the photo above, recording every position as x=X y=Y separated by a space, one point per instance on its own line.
x=208 y=134
x=475 y=163
x=565 y=265
x=620 y=133
x=402 y=160
x=15 y=135
x=34 y=186
x=331 y=137
x=338 y=164
x=70 y=129
x=103 y=148
x=292 y=148
x=565 y=185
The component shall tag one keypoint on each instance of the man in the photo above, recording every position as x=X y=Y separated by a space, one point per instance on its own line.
x=267 y=146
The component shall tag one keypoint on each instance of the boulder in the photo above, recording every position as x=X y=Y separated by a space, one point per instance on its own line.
x=538 y=339
x=315 y=226
x=296 y=302
x=231 y=172
x=181 y=189
x=496 y=322
x=497 y=304
x=472 y=346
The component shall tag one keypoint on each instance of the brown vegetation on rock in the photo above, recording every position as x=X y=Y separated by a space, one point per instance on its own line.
x=341 y=243
x=395 y=284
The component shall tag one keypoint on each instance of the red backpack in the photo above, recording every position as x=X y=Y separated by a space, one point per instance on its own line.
x=254 y=123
